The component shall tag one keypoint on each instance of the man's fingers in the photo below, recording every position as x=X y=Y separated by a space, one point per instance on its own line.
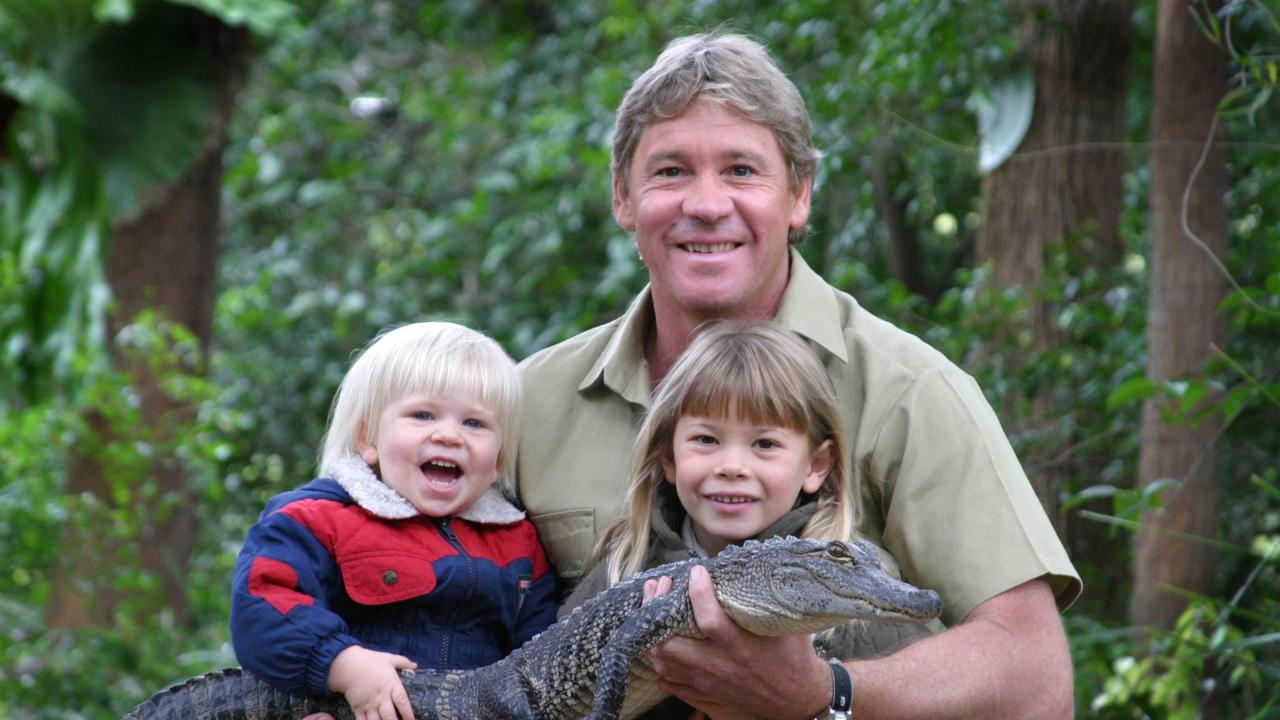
x=706 y=608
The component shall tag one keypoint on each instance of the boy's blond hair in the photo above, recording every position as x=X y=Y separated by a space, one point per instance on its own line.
x=441 y=359
x=759 y=372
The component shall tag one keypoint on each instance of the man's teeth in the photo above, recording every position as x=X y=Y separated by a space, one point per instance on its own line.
x=718 y=247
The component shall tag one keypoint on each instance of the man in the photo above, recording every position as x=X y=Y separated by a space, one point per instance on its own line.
x=713 y=172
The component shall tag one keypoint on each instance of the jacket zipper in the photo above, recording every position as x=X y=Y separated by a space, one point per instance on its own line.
x=443 y=524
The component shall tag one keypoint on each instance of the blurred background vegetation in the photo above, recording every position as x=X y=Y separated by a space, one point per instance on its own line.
x=207 y=205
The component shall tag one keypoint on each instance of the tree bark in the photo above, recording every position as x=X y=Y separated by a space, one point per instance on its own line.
x=906 y=259
x=164 y=257
x=1062 y=188
x=1183 y=324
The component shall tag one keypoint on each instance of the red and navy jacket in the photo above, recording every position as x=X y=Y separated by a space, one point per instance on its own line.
x=320 y=571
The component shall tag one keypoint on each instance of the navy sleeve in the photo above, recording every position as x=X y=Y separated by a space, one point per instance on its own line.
x=283 y=627
x=542 y=600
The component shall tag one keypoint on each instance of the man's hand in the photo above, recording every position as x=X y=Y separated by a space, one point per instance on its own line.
x=773 y=677
x=1008 y=658
x=370 y=681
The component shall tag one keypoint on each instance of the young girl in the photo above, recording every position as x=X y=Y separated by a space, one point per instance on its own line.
x=403 y=554
x=742 y=441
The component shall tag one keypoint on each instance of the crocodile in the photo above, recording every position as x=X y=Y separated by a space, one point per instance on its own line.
x=591 y=663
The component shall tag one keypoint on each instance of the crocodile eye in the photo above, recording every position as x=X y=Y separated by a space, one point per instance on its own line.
x=838 y=551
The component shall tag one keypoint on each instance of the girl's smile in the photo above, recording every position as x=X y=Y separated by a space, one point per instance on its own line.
x=735 y=477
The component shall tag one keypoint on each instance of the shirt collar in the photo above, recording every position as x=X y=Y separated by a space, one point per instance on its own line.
x=622 y=366
x=808 y=307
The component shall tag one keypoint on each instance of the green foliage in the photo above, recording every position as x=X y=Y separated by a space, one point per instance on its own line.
x=395 y=161
x=103 y=672
x=1204 y=659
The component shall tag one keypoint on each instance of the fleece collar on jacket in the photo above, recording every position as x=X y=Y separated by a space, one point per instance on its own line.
x=357 y=478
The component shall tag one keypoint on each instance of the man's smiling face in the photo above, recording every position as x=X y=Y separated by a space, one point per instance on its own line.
x=708 y=197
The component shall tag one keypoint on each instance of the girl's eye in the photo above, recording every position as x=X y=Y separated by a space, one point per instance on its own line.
x=766 y=444
x=704 y=440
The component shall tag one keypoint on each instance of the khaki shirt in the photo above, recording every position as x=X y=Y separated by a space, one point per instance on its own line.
x=938 y=483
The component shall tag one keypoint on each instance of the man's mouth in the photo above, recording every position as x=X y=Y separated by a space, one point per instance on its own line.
x=441 y=472
x=708 y=249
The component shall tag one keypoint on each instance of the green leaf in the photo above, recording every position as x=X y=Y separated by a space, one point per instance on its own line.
x=1152 y=491
x=1132 y=390
x=1092 y=492
x=147 y=97
x=263 y=17
x=113 y=10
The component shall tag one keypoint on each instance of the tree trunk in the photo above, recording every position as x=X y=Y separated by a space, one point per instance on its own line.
x=1062 y=189
x=1182 y=320
x=162 y=257
x=906 y=259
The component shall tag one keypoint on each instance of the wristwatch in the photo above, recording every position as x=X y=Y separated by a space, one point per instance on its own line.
x=841 y=693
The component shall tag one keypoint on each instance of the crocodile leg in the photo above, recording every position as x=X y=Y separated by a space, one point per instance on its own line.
x=645 y=629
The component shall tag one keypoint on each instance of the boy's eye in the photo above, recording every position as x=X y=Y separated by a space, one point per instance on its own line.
x=473 y=423
x=421 y=415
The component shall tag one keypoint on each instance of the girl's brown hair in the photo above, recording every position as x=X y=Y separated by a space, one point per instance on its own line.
x=758 y=372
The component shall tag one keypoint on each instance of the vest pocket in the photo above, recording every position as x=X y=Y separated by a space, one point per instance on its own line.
x=568 y=537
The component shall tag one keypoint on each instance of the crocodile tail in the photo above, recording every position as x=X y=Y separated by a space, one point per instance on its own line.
x=230 y=694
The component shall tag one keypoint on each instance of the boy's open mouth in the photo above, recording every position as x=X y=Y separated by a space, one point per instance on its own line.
x=441 y=472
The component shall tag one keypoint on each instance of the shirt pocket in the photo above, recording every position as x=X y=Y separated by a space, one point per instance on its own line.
x=386 y=577
x=568 y=536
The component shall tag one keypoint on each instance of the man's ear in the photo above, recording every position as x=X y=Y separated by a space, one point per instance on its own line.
x=368 y=452
x=623 y=211
x=820 y=464
x=801 y=199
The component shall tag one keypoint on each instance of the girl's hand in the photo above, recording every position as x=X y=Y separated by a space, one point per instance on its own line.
x=370 y=681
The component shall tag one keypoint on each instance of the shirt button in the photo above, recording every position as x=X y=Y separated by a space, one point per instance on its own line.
x=389 y=577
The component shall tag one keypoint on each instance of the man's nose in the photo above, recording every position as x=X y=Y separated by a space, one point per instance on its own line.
x=707 y=199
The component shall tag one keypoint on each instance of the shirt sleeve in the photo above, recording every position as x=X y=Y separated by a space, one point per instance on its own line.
x=960 y=515
x=283 y=626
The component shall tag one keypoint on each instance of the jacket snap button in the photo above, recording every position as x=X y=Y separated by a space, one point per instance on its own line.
x=389 y=577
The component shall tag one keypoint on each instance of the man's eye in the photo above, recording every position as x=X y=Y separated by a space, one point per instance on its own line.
x=742 y=171
x=669 y=172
